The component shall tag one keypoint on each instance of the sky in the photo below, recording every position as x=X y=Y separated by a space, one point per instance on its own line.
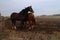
x=40 y=7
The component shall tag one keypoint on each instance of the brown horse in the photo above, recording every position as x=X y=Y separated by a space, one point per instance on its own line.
x=21 y=16
x=30 y=21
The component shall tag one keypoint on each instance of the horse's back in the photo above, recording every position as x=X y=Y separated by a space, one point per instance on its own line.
x=14 y=15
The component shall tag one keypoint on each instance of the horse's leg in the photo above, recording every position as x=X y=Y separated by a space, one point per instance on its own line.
x=34 y=22
x=14 y=24
x=21 y=25
x=31 y=24
x=27 y=24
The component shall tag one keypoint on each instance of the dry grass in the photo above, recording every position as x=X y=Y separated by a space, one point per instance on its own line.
x=43 y=30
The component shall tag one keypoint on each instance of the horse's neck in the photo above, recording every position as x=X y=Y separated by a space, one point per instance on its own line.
x=23 y=12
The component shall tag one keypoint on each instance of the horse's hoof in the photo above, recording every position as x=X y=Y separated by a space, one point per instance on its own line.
x=30 y=28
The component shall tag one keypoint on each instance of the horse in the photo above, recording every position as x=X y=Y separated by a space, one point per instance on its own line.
x=30 y=21
x=21 y=16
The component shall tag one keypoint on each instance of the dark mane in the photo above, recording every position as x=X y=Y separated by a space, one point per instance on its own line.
x=23 y=12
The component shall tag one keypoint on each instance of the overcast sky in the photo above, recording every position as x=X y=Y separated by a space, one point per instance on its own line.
x=40 y=7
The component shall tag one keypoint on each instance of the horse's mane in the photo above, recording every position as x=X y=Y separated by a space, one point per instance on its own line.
x=21 y=11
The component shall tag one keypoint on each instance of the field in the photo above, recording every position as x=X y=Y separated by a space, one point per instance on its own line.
x=47 y=28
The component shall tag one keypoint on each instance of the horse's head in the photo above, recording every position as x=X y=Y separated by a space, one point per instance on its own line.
x=29 y=9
